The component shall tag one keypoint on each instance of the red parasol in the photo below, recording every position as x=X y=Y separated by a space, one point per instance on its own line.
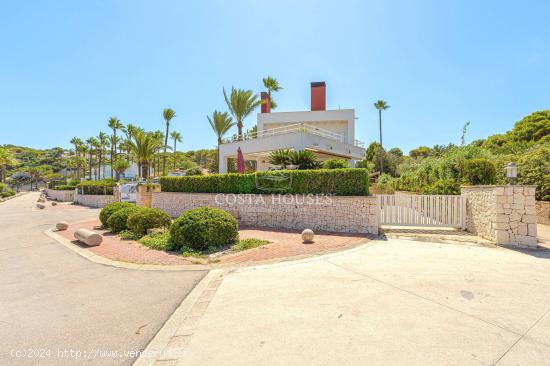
x=240 y=161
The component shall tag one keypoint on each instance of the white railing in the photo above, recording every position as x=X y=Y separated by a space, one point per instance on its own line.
x=293 y=128
x=421 y=210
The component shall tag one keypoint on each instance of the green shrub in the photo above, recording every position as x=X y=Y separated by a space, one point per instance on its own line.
x=119 y=220
x=99 y=187
x=147 y=218
x=342 y=182
x=196 y=170
x=110 y=209
x=204 y=227
x=442 y=186
x=65 y=187
x=534 y=168
x=6 y=191
x=479 y=171
x=335 y=164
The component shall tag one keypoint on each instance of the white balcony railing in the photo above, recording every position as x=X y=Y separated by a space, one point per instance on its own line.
x=293 y=128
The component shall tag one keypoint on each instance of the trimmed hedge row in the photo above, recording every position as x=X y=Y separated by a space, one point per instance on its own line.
x=64 y=188
x=340 y=182
x=100 y=187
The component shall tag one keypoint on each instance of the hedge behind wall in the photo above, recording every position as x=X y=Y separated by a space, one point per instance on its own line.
x=340 y=182
x=99 y=187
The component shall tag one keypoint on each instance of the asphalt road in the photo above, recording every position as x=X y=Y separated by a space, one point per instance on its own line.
x=58 y=308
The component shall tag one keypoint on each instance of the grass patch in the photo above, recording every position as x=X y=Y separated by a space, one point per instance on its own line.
x=158 y=241
x=128 y=235
x=246 y=244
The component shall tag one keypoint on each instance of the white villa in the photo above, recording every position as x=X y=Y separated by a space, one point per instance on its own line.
x=329 y=134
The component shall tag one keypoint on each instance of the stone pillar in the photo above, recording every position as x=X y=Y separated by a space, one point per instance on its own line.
x=116 y=193
x=144 y=194
x=503 y=214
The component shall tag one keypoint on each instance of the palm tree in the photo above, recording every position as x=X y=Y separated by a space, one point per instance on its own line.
x=114 y=124
x=272 y=85
x=77 y=144
x=158 y=135
x=176 y=136
x=6 y=158
x=281 y=158
x=93 y=145
x=381 y=105
x=103 y=139
x=221 y=123
x=144 y=145
x=168 y=114
x=241 y=103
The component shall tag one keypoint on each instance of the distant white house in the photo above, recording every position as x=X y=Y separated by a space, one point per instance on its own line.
x=329 y=134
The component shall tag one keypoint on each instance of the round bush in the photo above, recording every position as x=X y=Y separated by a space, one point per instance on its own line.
x=119 y=220
x=479 y=171
x=204 y=227
x=110 y=209
x=147 y=218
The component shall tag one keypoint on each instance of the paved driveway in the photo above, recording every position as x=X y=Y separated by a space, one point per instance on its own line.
x=52 y=301
x=392 y=302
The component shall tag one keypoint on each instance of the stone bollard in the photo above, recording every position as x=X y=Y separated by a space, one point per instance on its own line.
x=88 y=237
x=41 y=200
x=54 y=203
x=41 y=206
x=307 y=236
x=62 y=225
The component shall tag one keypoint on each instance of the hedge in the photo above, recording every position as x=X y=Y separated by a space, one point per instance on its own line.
x=340 y=182
x=100 y=187
x=64 y=188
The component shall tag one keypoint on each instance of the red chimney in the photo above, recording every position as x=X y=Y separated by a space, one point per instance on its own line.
x=266 y=103
x=318 y=96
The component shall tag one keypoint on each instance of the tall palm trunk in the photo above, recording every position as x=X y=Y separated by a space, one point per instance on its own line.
x=381 y=153
x=164 y=154
x=175 y=154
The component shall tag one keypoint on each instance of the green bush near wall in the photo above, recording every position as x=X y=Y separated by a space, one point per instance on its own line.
x=341 y=182
x=99 y=187
x=64 y=188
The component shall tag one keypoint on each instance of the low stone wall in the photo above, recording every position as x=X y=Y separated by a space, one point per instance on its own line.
x=92 y=200
x=543 y=212
x=503 y=214
x=357 y=214
x=62 y=196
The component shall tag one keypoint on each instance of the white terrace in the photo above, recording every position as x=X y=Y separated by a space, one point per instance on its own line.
x=328 y=134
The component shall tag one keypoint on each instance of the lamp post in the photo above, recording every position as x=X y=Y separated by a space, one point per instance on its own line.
x=511 y=173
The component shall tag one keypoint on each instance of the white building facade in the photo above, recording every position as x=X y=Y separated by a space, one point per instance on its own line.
x=329 y=134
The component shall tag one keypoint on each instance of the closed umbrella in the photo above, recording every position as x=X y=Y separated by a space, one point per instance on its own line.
x=240 y=161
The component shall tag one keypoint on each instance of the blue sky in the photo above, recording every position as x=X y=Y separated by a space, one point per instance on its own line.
x=67 y=66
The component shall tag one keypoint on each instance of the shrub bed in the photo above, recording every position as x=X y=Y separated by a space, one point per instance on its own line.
x=110 y=209
x=119 y=219
x=147 y=218
x=342 y=182
x=204 y=227
x=100 y=187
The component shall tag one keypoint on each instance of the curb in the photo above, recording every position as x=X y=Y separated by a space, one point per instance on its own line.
x=168 y=344
x=6 y=199
x=118 y=264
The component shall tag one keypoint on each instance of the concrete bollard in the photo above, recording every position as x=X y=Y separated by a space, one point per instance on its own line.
x=62 y=225
x=41 y=200
x=88 y=237
x=54 y=203
x=307 y=236
x=41 y=206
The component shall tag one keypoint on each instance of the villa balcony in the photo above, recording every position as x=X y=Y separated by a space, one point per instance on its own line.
x=291 y=129
x=323 y=143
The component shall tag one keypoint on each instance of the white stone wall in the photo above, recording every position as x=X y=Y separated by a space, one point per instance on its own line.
x=543 y=212
x=504 y=214
x=62 y=196
x=92 y=200
x=349 y=214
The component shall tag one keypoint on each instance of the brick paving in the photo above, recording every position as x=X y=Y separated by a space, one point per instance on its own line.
x=284 y=244
x=118 y=249
x=288 y=244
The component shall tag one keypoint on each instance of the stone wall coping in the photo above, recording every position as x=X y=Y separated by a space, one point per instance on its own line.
x=268 y=194
x=496 y=186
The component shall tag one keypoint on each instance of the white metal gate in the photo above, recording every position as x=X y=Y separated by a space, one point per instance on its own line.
x=421 y=210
